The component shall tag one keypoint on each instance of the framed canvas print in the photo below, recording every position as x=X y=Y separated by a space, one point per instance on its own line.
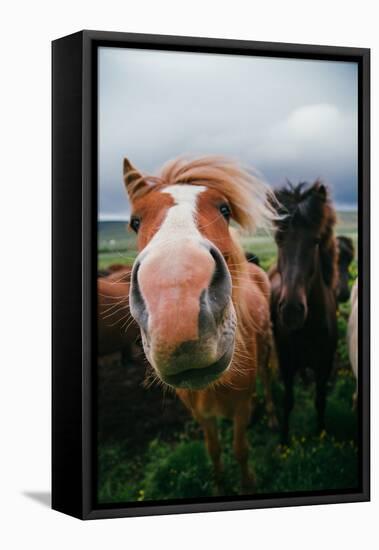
x=210 y=275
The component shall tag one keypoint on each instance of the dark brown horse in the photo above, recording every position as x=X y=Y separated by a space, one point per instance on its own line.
x=345 y=257
x=303 y=283
x=252 y=258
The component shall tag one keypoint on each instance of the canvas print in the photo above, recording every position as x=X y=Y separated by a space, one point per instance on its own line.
x=227 y=277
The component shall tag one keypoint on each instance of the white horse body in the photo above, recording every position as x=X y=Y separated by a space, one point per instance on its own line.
x=352 y=332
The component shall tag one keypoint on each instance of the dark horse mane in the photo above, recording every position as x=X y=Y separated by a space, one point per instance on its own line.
x=309 y=206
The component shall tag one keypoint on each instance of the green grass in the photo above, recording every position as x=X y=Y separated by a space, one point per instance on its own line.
x=182 y=469
x=116 y=244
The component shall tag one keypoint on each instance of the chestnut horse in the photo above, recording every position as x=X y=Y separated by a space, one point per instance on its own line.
x=203 y=310
x=117 y=331
x=303 y=284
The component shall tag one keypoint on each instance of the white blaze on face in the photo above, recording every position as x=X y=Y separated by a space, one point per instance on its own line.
x=180 y=220
x=174 y=269
x=171 y=253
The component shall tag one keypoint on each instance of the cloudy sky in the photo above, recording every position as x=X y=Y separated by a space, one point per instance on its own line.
x=285 y=118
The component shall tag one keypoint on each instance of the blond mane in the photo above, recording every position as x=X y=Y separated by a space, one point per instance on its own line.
x=245 y=192
x=247 y=195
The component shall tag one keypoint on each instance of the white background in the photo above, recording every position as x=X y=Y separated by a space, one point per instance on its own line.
x=26 y=31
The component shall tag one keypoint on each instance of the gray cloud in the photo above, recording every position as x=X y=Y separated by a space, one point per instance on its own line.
x=286 y=118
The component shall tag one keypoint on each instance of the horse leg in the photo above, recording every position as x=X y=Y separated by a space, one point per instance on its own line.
x=269 y=360
x=288 y=378
x=322 y=377
x=214 y=449
x=241 y=447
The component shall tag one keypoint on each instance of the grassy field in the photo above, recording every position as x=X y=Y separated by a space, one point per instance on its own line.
x=118 y=245
x=150 y=448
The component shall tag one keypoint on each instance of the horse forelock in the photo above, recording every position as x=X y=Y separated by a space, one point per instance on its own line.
x=305 y=206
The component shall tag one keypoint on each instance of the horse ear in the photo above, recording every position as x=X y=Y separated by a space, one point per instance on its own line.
x=133 y=179
x=322 y=191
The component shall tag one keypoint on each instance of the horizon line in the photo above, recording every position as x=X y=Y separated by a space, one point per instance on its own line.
x=343 y=207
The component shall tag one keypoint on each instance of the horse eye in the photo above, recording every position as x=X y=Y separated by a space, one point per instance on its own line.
x=135 y=224
x=225 y=211
x=317 y=240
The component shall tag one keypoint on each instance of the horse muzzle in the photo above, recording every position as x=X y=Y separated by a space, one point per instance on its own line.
x=186 y=314
x=292 y=314
x=199 y=377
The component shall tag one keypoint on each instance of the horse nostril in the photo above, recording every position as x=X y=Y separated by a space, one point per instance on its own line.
x=220 y=268
x=136 y=302
x=135 y=269
x=295 y=307
x=220 y=287
x=292 y=313
x=221 y=279
x=134 y=287
x=299 y=307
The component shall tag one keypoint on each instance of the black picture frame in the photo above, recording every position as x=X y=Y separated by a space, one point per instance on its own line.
x=74 y=205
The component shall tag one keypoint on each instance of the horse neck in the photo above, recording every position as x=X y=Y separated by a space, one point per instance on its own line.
x=318 y=283
x=239 y=270
x=328 y=257
x=323 y=283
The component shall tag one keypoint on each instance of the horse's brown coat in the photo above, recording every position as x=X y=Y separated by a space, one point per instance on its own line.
x=116 y=329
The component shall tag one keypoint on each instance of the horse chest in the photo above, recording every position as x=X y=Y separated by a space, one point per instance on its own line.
x=214 y=403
